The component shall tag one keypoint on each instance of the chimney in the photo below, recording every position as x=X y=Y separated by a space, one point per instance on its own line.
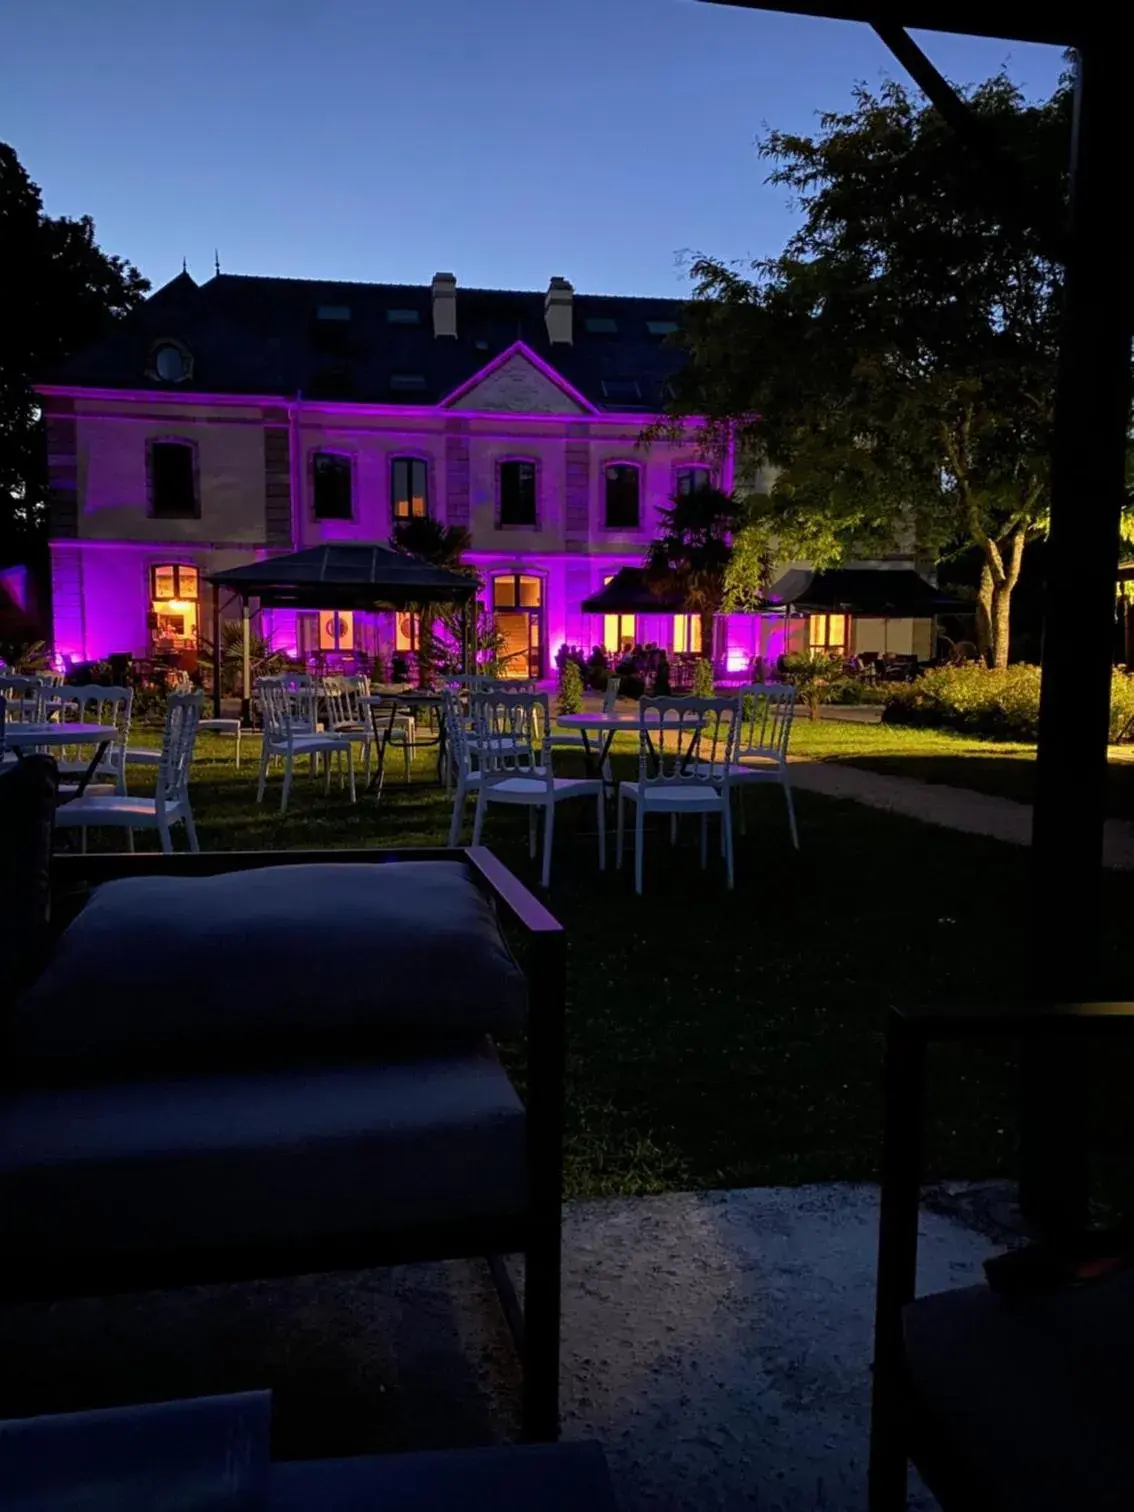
x=557 y=311
x=444 y=304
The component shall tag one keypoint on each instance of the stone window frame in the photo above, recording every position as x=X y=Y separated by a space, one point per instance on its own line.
x=351 y=457
x=535 y=464
x=172 y=439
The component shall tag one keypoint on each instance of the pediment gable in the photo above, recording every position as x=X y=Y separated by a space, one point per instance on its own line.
x=519 y=382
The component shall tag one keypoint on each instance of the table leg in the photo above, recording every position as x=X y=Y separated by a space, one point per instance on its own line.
x=93 y=766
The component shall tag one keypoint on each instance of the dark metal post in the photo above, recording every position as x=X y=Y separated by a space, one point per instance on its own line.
x=245 y=661
x=216 y=652
x=904 y=1093
x=1092 y=411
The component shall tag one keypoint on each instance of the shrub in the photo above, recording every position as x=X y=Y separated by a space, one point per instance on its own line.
x=702 y=685
x=973 y=699
x=25 y=658
x=570 y=687
x=817 y=677
x=979 y=700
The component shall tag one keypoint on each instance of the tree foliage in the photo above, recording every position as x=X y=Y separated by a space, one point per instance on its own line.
x=690 y=557
x=62 y=292
x=894 y=368
x=440 y=546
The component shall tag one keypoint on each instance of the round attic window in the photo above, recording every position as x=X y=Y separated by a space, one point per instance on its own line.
x=170 y=363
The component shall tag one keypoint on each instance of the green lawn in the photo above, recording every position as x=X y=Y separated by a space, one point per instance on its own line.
x=1005 y=769
x=722 y=1039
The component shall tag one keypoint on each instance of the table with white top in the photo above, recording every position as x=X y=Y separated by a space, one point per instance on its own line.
x=605 y=727
x=40 y=737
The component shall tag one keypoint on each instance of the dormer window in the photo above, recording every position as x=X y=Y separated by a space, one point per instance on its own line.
x=332 y=312
x=170 y=362
x=403 y=317
x=621 y=390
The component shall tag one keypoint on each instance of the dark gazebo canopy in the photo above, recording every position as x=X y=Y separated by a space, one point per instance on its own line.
x=890 y=593
x=630 y=592
x=347 y=575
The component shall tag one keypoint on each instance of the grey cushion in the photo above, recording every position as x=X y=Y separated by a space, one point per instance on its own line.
x=291 y=1158
x=519 y=1478
x=265 y=966
x=1033 y=1397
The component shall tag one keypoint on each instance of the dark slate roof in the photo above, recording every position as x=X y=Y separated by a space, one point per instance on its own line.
x=629 y=592
x=354 y=575
x=261 y=336
x=892 y=592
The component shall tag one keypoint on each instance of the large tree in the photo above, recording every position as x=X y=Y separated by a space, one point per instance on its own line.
x=62 y=292
x=893 y=370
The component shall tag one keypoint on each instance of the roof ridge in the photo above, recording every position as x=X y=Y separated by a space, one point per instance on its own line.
x=424 y=288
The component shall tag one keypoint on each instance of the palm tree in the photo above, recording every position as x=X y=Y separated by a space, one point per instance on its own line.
x=440 y=546
x=690 y=558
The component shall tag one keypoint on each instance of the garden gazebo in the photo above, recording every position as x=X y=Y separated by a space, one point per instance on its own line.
x=346 y=575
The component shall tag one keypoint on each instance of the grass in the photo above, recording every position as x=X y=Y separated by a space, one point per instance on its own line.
x=1004 y=769
x=732 y=1039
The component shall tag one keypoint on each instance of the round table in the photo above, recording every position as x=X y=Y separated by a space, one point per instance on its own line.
x=412 y=698
x=38 y=737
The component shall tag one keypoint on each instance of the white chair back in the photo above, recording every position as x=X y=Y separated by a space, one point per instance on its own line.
x=686 y=741
x=511 y=732
x=276 y=702
x=456 y=732
x=767 y=711
x=23 y=698
x=182 y=716
x=610 y=697
x=91 y=703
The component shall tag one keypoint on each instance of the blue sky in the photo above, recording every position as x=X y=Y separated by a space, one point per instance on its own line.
x=503 y=140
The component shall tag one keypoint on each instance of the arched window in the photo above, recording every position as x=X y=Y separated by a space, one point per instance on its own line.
x=689 y=480
x=516 y=492
x=409 y=488
x=332 y=485
x=171 y=467
x=623 y=495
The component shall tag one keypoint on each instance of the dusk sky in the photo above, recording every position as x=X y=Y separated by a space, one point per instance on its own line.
x=502 y=140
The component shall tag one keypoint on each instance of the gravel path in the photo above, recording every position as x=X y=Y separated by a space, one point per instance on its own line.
x=950 y=807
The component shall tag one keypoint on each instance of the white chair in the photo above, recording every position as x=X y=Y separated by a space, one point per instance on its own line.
x=170 y=803
x=516 y=769
x=685 y=758
x=461 y=766
x=288 y=735
x=94 y=704
x=767 y=713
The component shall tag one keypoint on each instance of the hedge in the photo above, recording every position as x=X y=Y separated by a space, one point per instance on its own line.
x=979 y=700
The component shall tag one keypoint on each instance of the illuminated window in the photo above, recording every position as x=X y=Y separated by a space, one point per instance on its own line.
x=691 y=479
x=336 y=630
x=174 y=587
x=619 y=632
x=332 y=485
x=622 y=492
x=409 y=488
x=407 y=629
x=517 y=493
x=687 y=633
x=173 y=480
x=531 y=592
x=828 y=632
